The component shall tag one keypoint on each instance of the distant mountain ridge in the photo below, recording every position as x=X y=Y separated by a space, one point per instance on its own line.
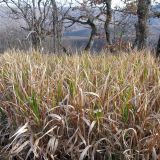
x=80 y=33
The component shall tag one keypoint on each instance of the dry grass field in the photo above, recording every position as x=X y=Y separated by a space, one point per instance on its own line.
x=86 y=107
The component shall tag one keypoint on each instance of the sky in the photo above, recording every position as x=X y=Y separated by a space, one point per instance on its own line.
x=115 y=3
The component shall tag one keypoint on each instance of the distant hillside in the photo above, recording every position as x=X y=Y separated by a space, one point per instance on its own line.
x=154 y=24
x=80 y=33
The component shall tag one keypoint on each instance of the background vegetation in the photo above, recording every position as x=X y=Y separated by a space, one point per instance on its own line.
x=58 y=26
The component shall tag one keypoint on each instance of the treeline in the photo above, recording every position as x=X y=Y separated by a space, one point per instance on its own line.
x=49 y=18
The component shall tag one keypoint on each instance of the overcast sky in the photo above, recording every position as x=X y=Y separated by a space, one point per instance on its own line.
x=114 y=2
x=117 y=3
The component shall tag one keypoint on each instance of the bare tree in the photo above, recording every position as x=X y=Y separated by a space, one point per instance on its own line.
x=88 y=22
x=108 y=13
x=35 y=14
x=106 y=10
x=41 y=19
x=141 y=26
x=88 y=16
x=57 y=27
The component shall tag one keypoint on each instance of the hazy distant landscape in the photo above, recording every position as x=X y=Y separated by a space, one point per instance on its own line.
x=76 y=37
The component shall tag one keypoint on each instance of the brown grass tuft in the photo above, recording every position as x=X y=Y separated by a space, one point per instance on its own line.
x=79 y=107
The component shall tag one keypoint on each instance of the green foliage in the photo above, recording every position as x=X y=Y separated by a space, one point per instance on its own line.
x=59 y=91
x=34 y=106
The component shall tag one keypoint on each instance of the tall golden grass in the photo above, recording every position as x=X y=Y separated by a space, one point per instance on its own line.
x=98 y=107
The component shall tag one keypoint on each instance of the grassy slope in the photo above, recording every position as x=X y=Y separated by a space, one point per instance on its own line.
x=80 y=106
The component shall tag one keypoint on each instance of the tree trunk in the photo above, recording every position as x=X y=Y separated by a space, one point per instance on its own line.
x=158 y=48
x=92 y=35
x=57 y=28
x=141 y=26
x=136 y=39
x=36 y=41
x=108 y=20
